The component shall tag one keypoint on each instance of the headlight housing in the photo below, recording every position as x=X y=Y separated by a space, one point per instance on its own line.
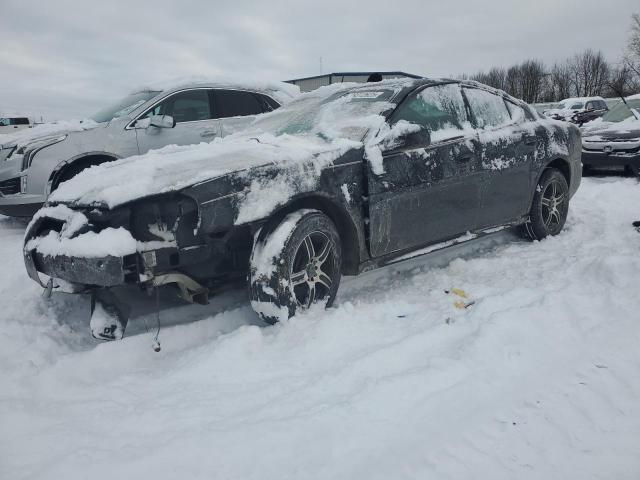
x=29 y=150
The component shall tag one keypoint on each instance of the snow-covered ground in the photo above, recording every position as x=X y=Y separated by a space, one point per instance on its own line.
x=540 y=378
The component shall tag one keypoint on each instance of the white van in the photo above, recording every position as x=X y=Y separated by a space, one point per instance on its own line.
x=14 y=124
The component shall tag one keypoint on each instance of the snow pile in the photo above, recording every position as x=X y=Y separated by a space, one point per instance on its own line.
x=110 y=241
x=537 y=380
x=116 y=242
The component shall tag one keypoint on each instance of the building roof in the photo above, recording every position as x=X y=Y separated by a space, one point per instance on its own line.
x=354 y=74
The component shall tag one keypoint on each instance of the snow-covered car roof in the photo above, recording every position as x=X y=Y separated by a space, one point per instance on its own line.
x=579 y=99
x=281 y=91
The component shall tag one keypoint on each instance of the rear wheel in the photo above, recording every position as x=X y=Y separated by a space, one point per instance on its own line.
x=294 y=265
x=550 y=206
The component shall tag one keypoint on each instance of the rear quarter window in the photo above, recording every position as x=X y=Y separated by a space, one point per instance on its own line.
x=488 y=109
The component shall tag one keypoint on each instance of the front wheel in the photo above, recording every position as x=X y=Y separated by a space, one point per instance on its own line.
x=295 y=264
x=550 y=206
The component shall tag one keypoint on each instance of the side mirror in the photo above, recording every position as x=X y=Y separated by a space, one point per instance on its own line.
x=162 y=121
x=403 y=135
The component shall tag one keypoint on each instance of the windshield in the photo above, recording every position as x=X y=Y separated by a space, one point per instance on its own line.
x=124 y=107
x=575 y=105
x=621 y=111
x=348 y=113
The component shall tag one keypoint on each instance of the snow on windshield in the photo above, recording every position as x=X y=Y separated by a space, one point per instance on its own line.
x=331 y=112
x=125 y=106
x=622 y=111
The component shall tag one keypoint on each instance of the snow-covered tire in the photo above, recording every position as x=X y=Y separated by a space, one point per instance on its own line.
x=295 y=263
x=549 y=207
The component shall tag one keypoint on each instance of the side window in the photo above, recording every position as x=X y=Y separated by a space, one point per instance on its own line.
x=268 y=104
x=440 y=109
x=590 y=106
x=235 y=103
x=488 y=109
x=20 y=121
x=516 y=111
x=188 y=106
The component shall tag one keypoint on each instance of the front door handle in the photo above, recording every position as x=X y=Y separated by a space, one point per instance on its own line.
x=209 y=133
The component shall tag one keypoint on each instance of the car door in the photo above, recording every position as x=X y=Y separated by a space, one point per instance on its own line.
x=237 y=108
x=507 y=147
x=194 y=117
x=426 y=188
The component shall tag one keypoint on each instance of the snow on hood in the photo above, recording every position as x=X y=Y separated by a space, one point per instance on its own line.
x=629 y=127
x=281 y=91
x=45 y=130
x=175 y=167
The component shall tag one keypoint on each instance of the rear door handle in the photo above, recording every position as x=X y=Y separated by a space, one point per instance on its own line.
x=209 y=133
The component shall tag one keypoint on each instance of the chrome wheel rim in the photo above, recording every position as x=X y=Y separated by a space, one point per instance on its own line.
x=313 y=269
x=553 y=202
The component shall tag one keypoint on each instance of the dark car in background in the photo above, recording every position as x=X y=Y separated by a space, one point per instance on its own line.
x=579 y=110
x=341 y=180
x=614 y=143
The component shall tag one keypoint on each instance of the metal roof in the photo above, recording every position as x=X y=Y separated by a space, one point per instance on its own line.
x=350 y=74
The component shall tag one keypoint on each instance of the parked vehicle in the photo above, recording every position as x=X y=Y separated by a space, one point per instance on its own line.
x=579 y=110
x=341 y=180
x=180 y=114
x=11 y=124
x=614 y=143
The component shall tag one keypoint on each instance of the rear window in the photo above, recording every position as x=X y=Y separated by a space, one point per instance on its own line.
x=488 y=109
x=517 y=112
x=235 y=103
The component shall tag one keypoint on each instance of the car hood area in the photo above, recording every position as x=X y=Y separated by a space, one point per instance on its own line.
x=174 y=168
x=45 y=131
x=627 y=130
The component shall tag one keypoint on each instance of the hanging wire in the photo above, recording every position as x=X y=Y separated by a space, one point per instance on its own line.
x=156 y=342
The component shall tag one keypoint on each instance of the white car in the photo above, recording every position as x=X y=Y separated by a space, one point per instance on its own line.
x=179 y=113
x=12 y=124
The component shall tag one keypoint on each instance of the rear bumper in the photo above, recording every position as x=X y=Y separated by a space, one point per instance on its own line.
x=611 y=160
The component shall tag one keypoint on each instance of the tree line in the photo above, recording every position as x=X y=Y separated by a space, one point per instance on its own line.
x=585 y=74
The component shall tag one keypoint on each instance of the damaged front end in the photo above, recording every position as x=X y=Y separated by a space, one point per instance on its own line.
x=91 y=250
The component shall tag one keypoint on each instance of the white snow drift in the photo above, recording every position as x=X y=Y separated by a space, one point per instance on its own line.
x=538 y=379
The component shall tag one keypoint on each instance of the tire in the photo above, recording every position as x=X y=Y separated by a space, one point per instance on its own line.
x=550 y=206
x=295 y=263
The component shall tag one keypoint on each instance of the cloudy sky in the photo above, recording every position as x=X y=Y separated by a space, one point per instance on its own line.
x=67 y=58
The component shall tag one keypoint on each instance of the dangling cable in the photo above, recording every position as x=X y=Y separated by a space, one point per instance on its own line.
x=156 y=342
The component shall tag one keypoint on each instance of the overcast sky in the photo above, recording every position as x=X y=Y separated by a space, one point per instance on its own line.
x=67 y=58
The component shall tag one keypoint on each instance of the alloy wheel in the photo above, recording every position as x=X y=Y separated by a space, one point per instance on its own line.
x=313 y=268
x=553 y=205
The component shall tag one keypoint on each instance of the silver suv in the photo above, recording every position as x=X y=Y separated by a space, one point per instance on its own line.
x=180 y=114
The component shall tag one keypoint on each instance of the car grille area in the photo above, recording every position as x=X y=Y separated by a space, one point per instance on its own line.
x=10 y=187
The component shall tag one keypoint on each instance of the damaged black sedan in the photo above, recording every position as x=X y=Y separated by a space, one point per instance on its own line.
x=341 y=180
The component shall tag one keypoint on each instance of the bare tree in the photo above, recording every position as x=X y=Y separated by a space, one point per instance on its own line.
x=621 y=82
x=589 y=72
x=532 y=74
x=632 y=58
x=561 y=81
